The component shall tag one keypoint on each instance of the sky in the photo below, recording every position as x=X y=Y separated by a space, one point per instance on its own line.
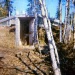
x=21 y=5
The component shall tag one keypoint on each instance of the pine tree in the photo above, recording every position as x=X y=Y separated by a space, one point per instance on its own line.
x=33 y=6
x=9 y=7
x=30 y=7
x=6 y=7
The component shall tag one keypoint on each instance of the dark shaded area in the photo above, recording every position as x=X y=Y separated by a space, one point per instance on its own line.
x=12 y=28
x=66 y=54
x=24 y=31
x=67 y=59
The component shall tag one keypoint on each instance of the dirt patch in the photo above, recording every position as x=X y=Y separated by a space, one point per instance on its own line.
x=7 y=39
x=23 y=62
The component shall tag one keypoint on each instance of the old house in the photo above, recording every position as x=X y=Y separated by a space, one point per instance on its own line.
x=24 y=28
x=23 y=25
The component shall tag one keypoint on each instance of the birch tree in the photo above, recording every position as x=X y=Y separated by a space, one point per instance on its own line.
x=47 y=24
x=60 y=19
x=34 y=9
x=50 y=30
x=74 y=22
x=66 y=30
x=59 y=16
x=36 y=22
x=74 y=30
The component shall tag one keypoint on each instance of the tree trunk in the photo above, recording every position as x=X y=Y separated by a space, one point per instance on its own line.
x=70 y=27
x=66 y=33
x=74 y=23
x=56 y=69
x=36 y=41
x=74 y=30
x=60 y=18
x=35 y=26
x=50 y=30
x=53 y=42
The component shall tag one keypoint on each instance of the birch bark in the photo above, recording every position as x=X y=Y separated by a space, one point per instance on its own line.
x=66 y=36
x=60 y=18
x=50 y=30
x=56 y=69
x=74 y=22
x=74 y=30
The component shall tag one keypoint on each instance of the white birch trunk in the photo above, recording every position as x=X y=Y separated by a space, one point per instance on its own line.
x=66 y=36
x=69 y=33
x=35 y=25
x=36 y=22
x=36 y=41
x=50 y=30
x=46 y=25
x=53 y=42
x=74 y=30
x=74 y=23
x=60 y=18
x=60 y=33
x=65 y=40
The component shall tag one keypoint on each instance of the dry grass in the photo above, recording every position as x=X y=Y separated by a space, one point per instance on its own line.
x=7 y=39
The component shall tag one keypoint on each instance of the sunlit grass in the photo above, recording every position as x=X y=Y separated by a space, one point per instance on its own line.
x=7 y=39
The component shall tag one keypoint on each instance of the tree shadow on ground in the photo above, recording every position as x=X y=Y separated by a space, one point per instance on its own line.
x=33 y=71
x=66 y=56
x=47 y=60
x=36 y=66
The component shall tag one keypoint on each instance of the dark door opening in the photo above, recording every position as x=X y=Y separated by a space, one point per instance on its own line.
x=24 y=31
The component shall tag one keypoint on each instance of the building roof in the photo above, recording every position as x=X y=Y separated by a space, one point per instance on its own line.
x=13 y=17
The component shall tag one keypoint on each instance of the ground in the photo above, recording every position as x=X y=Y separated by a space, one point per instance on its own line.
x=27 y=61
x=32 y=62
x=23 y=62
x=15 y=61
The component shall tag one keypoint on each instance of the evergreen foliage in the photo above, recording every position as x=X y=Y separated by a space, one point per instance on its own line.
x=33 y=6
x=6 y=7
x=58 y=10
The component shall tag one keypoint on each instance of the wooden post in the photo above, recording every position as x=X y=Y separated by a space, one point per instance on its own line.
x=31 y=32
x=17 y=23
